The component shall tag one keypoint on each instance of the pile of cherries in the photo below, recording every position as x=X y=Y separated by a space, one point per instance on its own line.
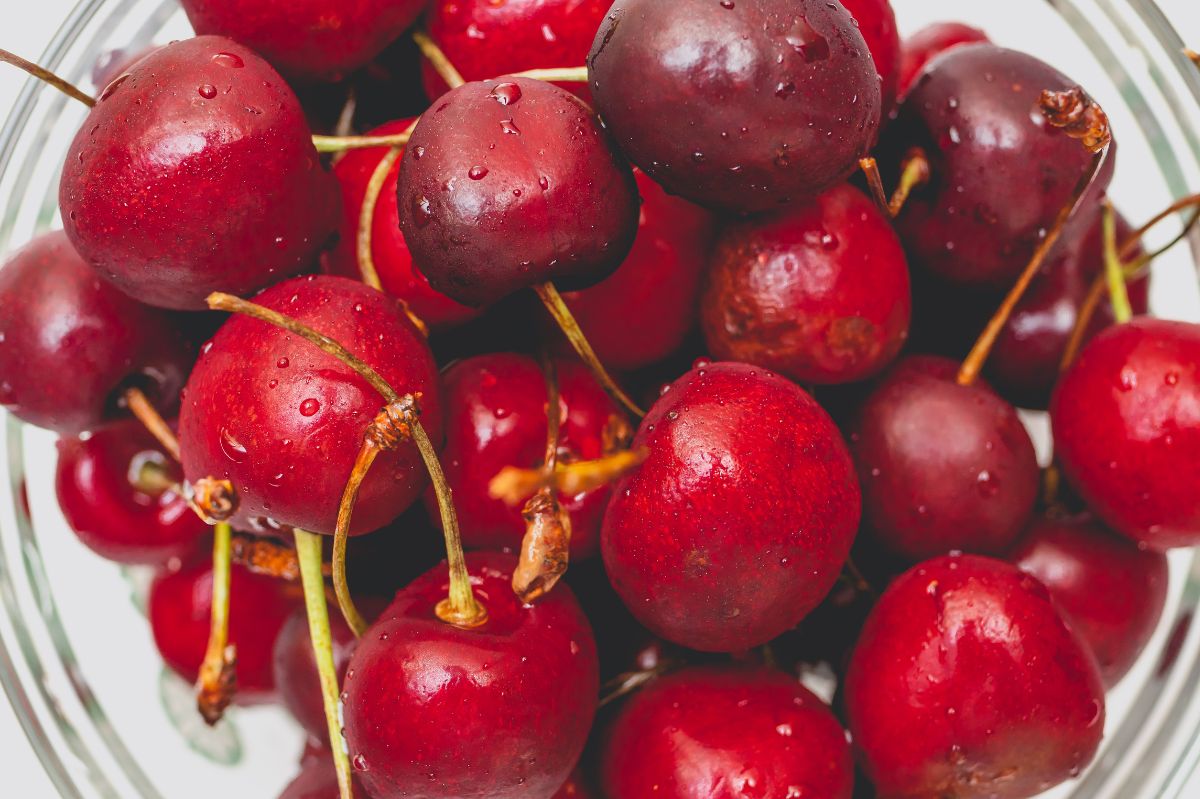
x=288 y=340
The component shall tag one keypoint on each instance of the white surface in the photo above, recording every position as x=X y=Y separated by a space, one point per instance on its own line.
x=25 y=29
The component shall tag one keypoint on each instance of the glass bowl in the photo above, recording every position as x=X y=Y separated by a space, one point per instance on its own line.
x=76 y=658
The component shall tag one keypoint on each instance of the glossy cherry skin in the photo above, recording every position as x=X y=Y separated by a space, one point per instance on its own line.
x=877 y=24
x=818 y=292
x=179 y=609
x=739 y=106
x=284 y=421
x=739 y=521
x=966 y=682
x=393 y=261
x=315 y=40
x=502 y=710
x=928 y=43
x=195 y=173
x=70 y=343
x=990 y=199
x=1126 y=423
x=116 y=517
x=943 y=467
x=1111 y=591
x=726 y=732
x=513 y=182
x=496 y=417
x=483 y=38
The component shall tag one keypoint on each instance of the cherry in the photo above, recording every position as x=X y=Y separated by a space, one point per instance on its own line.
x=195 y=172
x=284 y=421
x=483 y=38
x=739 y=521
x=725 y=732
x=966 y=682
x=71 y=344
x=1127 y=430
x=818 y=292
x=741 y=106
x=1111 y=591
x=930 y=42
x=943 y=466
x=877 y=24
x=499 y=710
x=179 y=607
x=114 y=490
x=507 y=184
x=111 y=64
x=990 y=199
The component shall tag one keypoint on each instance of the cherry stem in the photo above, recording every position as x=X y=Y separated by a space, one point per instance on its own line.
x=1192 y=55
x=217 y=682
x=153 y=479
x=341 y=587
x=555 y=74
x=914 y=173
x=1114 y=272
x=1051 y=481
x=145 y=412
x=308 y=552
x=624 y=684
x=514 y=485
x=566 y=321
x=266 y=557
x=870 y=169
x=553 y=419
x=345 y=120
x=340 y=144
x=48 y=77
x=438 y=60
x=1182 y=204
x=1145 y=259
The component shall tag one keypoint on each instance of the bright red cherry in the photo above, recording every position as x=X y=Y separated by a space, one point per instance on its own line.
x=1126 y=422
x=195 y=173
x=501 y=710
x=739 y=521
x=930 y=42
x=70 y=344
x=966 y=682
x=877 y=24
x=1110 y=590
x=818 y=292
x=509 y=183
x=113 y=489
x=284 y=421
x=741 y=106
x=725 y=733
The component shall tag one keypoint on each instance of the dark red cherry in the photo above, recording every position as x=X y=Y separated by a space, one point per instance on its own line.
x=179 y=609
x=501 y=710
x=318 y=780
x=942 y=466
x=737 y=105
x=284 y=421
x=321 y=40
x=389 y=252
x=1110 y=590
x=818 y=292
x=513 y=182
x=725 y=733
x=483 y=38
x=195 y=173
x=496 y=417
x=877 y=24
x=70 y=343
x=991 y=198
x=739 y=521
x=930 y=42
x=966 y=682
x=1126 y=422
x=647 y=308
x=112 y=489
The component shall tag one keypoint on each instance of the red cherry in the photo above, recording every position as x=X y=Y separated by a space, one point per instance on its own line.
x=740 y=106
x=501 y=710
x=284 y=421
x=492 y=198
x=1110 y=591
x=1126 y=421
x=70 y=344
x=819 y=292
x=966 y=682
x=110 y=505
x=877 y=24
x=389 y=252
x=320 y=40
x=179 y=609
x=111 y=64
x=930 y=42
x=195 y=173
x=739 y=521
x=726 y=732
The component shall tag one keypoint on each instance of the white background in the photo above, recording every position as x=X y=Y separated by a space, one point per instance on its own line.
x=25 y=28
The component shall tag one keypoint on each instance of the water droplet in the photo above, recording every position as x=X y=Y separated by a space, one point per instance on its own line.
x=422 y=210
x=230 y=60
x=309 y=407
x=231 y=447
x=805 y=40
x=477 y=172
x=358 y=307
x=784 y=729
x=283 y=363
x=507 y=93
x=418 y=151
x=509 y=127
x=785 y=90
x=1128 y=380
x=207 y=91
x=544 y=182
x=360 y=762
x=987 y=484
x=112 y=87
x=1171 y=378
x=727 y=4
x=272 y=384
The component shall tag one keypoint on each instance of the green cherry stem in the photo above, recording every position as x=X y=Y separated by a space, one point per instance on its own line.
x=1114 y=272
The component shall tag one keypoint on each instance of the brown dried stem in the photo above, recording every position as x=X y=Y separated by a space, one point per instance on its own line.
x=48 y=77
x=515 y=485
x=1077 y=115
x=870 y=169
x=341 y=587
x=914 y=173
x=145 y=412
x=214 y=500
x=266 y=557
x=217 y=683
